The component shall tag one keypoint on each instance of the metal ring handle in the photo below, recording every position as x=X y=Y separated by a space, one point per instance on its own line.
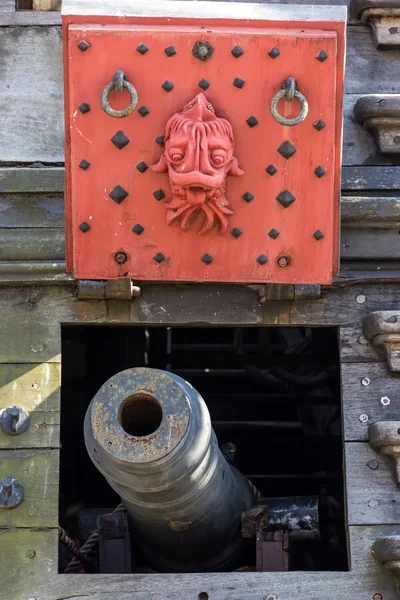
x=282 y=120
x=119 y=82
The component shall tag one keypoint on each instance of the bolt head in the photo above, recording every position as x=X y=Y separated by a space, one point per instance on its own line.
x=273 y=233
x=142 y=167
x=202 y=50
x=239 y=82
x=252 y=121
x=207 y=259
x=271 y=170
x=167 y=85
x=236 y=232
x=237 y=51
x=84 y=227
x=204 y=84
x=142 y=49
x=319 y=125
x=170 y=51
x=160 y=140
x=322 y=56
x=120 y=140
x=320 y=172
x=121 y=257
x=83 y=45
x=159 y=257
x=248 y=196
x=365 y=381
x=159 y=194
x=118 y=194
x=30 y=553
x=363 y=418
x=361 y=299
x=373 y=504
x=287 y=149
x=318 y=235
x=385 y=401
x=143 y=111
x=373 y=465
x=283 y=261
x=84 y=164
x=262 y=259
x=274 y=53
x=84 y=107
x=138 y=229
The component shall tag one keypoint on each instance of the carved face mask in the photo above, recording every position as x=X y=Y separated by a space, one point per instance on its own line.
x=198 y=157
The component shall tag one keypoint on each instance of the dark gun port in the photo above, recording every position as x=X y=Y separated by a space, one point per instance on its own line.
x=274 y=399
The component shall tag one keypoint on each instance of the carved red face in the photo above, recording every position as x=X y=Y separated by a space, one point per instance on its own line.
x=198 y=157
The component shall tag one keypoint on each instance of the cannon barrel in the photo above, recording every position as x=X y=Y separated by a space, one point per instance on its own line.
x=149 y=433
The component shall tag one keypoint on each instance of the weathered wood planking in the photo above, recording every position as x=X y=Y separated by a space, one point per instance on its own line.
x=369 y=243
x=370 y=178
x=37 y=471
x=359 y=399
x=36 y=388
x=26 y=210
x=372 y=494
x=18 y=272
x=32 y=244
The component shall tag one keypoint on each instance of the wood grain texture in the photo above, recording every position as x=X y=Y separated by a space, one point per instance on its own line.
x=46 y=5
x=37 y=471
x=354 y=346
x=39 y=179
x=370 y=178
x=26 y=210
x=372 y=494
x=32 y=244
x=361 y=399
x=370 y=243
x=36 y=388
x=19 y=272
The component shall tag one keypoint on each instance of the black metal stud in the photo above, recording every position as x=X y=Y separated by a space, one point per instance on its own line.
x=273 y=233
x=320 y=171
x=262 y=259
x=202 y=50
x=84 y=227
x=167 y=86
x=207 y=259
x=271 y=170
x=170 y=51
x=204 y=84
x=118 y=194
x=238 y=82
x=159 y=194
x=274 y=52
x=318 y=235
x=142 y=49
x=287 y=150
x=252 y=121
x=84 y=164
x=143 y=111
x=159 y=257
x=319 y=125
x=142 y=167
x=285 y=198
x=237 y=51
x=84 y=107
x=160 y=140
x=321 y=56
x=236 y=232
x=83 y=45
x=120 y=140
x=138 y=229
x=248 y=196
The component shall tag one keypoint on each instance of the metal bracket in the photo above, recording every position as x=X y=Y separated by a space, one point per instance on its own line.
x=113 y=289
x=386 y=551
x=385 y=437
x=383 y=16
x=382 y=328
x=380 y=115
x=114 y=543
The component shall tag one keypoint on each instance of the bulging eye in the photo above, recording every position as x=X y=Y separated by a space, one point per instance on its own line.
x=176 y=155
x=218 y=156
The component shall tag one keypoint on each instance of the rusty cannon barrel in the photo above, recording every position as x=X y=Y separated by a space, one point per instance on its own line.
x=149 y=433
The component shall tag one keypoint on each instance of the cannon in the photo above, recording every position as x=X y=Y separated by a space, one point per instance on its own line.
x=149 y=433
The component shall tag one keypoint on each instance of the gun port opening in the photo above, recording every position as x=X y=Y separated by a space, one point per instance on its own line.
x=140 y=415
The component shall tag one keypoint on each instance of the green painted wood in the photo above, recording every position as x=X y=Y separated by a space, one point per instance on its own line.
x=36 y=388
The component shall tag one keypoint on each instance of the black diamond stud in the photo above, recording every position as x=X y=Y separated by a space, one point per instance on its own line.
x=318 y=235
x=273 y=233
x=84 y=164
x=142 y=167
x=84 y=227
x=167 y=86
x=320 y=171
x=143 y=111
x=142 y=49
x=285 y=198
x=252 y=121
x=319 y=125
x=160 y=140
x=262 y=259
x=158 y=194
x=287 y=150
x=248 y=196
x=202 y=50
x=118 y=194
x=271 y=170
x=207 y=259
x=238 y=82
x=159 y=257
x=274 y=52
x=138 y=229
x=170 y=51
x=236 y=232
x=120 y=140
x=204 y=84
x=83 y=45
x=237 y=51
x=321 y=56
x=84 y=107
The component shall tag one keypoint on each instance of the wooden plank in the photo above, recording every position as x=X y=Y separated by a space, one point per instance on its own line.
x=370 y=211
x=30 y=19
x=354 y=346
x=46 y=5
x=361 y=559
x=7 y=6
x=32 y=244
x=370 y=178
x=359 y=399
x=38 y=210
x=33 y=272
x=22 y=179
x=36 y=388
x=372 y=493
x=370 y=243
x=37 y=471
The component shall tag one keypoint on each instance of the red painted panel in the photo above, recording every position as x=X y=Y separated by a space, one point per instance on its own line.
x=258 y=225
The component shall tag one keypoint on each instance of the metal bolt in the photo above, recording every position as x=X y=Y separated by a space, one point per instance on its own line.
x=30 y=553
x=361 y=299
x=373 y=503
x=373 y=465
x=270 y=598
x=363 y=418
x=377 y=597
x=121 y=258
x=396 y=139
x=283 y=261
x=347 y=244
x=11 y=492
x=366 y=381
x=14 y=420
x=202 y=51
x=385 y=401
